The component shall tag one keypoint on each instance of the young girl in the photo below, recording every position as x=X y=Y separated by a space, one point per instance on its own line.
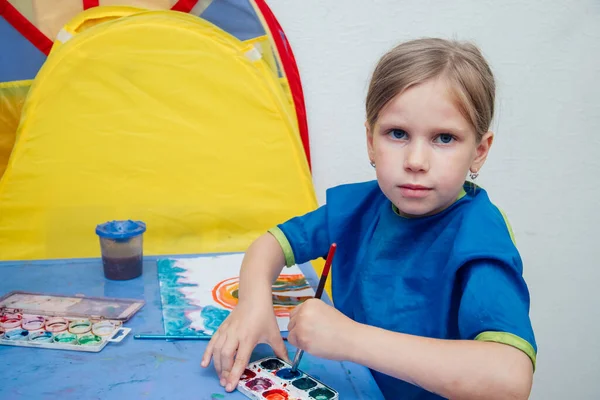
x=427 y=281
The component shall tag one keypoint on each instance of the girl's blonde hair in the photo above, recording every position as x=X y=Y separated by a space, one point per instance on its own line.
x=462 y=64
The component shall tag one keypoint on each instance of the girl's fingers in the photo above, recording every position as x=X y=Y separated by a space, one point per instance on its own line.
x=292 y=338
x=217 y=355
x=295 y=311
x=208 y=353
x=228 y=352
x=291 y=325
x=241 y=362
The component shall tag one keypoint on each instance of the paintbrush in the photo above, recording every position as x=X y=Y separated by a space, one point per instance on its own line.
x=145 y=336
x=149 y=336
x=318 y=295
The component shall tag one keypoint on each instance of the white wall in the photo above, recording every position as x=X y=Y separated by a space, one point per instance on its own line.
x=543 y=168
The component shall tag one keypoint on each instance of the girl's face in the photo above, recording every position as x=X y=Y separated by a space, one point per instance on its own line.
x=423 y=149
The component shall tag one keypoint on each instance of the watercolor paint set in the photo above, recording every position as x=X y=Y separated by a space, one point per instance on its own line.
x=272 y=378
x=77 y=323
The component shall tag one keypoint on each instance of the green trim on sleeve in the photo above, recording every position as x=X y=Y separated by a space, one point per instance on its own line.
x=510 y=231
x=285 y=246
x=511 y=340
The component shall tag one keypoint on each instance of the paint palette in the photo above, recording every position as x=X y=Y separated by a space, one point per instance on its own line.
x=272 y=378
x=76 y=323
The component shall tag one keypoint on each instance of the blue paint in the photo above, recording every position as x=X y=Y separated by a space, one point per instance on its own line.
x=213 y=317
x=174 y=303
x=16 y=334
x=287 y=373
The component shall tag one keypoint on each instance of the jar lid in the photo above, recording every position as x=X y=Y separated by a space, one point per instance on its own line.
x=120 y=229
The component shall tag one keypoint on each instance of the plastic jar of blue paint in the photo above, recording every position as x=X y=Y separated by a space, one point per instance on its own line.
x=121 y=245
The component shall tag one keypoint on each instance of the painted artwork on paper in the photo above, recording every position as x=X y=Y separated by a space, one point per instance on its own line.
x=199 y=293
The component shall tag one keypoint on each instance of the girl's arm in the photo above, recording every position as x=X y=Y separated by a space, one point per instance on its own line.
x=454 y=369
x=252 y=321
x=261 y=265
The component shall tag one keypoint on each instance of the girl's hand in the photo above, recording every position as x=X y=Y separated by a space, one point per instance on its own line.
x=320 y=329
x=246 y=326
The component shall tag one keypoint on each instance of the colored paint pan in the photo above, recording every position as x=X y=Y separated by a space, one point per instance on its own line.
x=272 y=378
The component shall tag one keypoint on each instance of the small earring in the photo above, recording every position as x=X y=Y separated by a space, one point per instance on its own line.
x=474 y=175
x=373 y=164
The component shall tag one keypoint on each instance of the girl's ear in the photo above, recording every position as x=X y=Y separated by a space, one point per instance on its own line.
x=482 y=150
x=370 y=142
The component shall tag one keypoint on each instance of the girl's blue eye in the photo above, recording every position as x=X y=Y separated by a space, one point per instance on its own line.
x=398 y=134
x=445 y=138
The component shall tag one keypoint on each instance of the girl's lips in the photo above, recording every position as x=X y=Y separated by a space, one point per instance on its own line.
x=414 y=191
x=414 y=187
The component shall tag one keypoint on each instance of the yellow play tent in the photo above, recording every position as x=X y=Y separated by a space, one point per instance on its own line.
x=156 y=115
x=30 y=29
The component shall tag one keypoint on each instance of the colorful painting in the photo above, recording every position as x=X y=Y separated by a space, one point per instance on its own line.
x=199 y=293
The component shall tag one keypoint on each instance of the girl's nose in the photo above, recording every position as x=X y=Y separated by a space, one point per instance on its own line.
x=417 y=157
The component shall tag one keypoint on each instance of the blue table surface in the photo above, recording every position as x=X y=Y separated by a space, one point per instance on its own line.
x=133 y=369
